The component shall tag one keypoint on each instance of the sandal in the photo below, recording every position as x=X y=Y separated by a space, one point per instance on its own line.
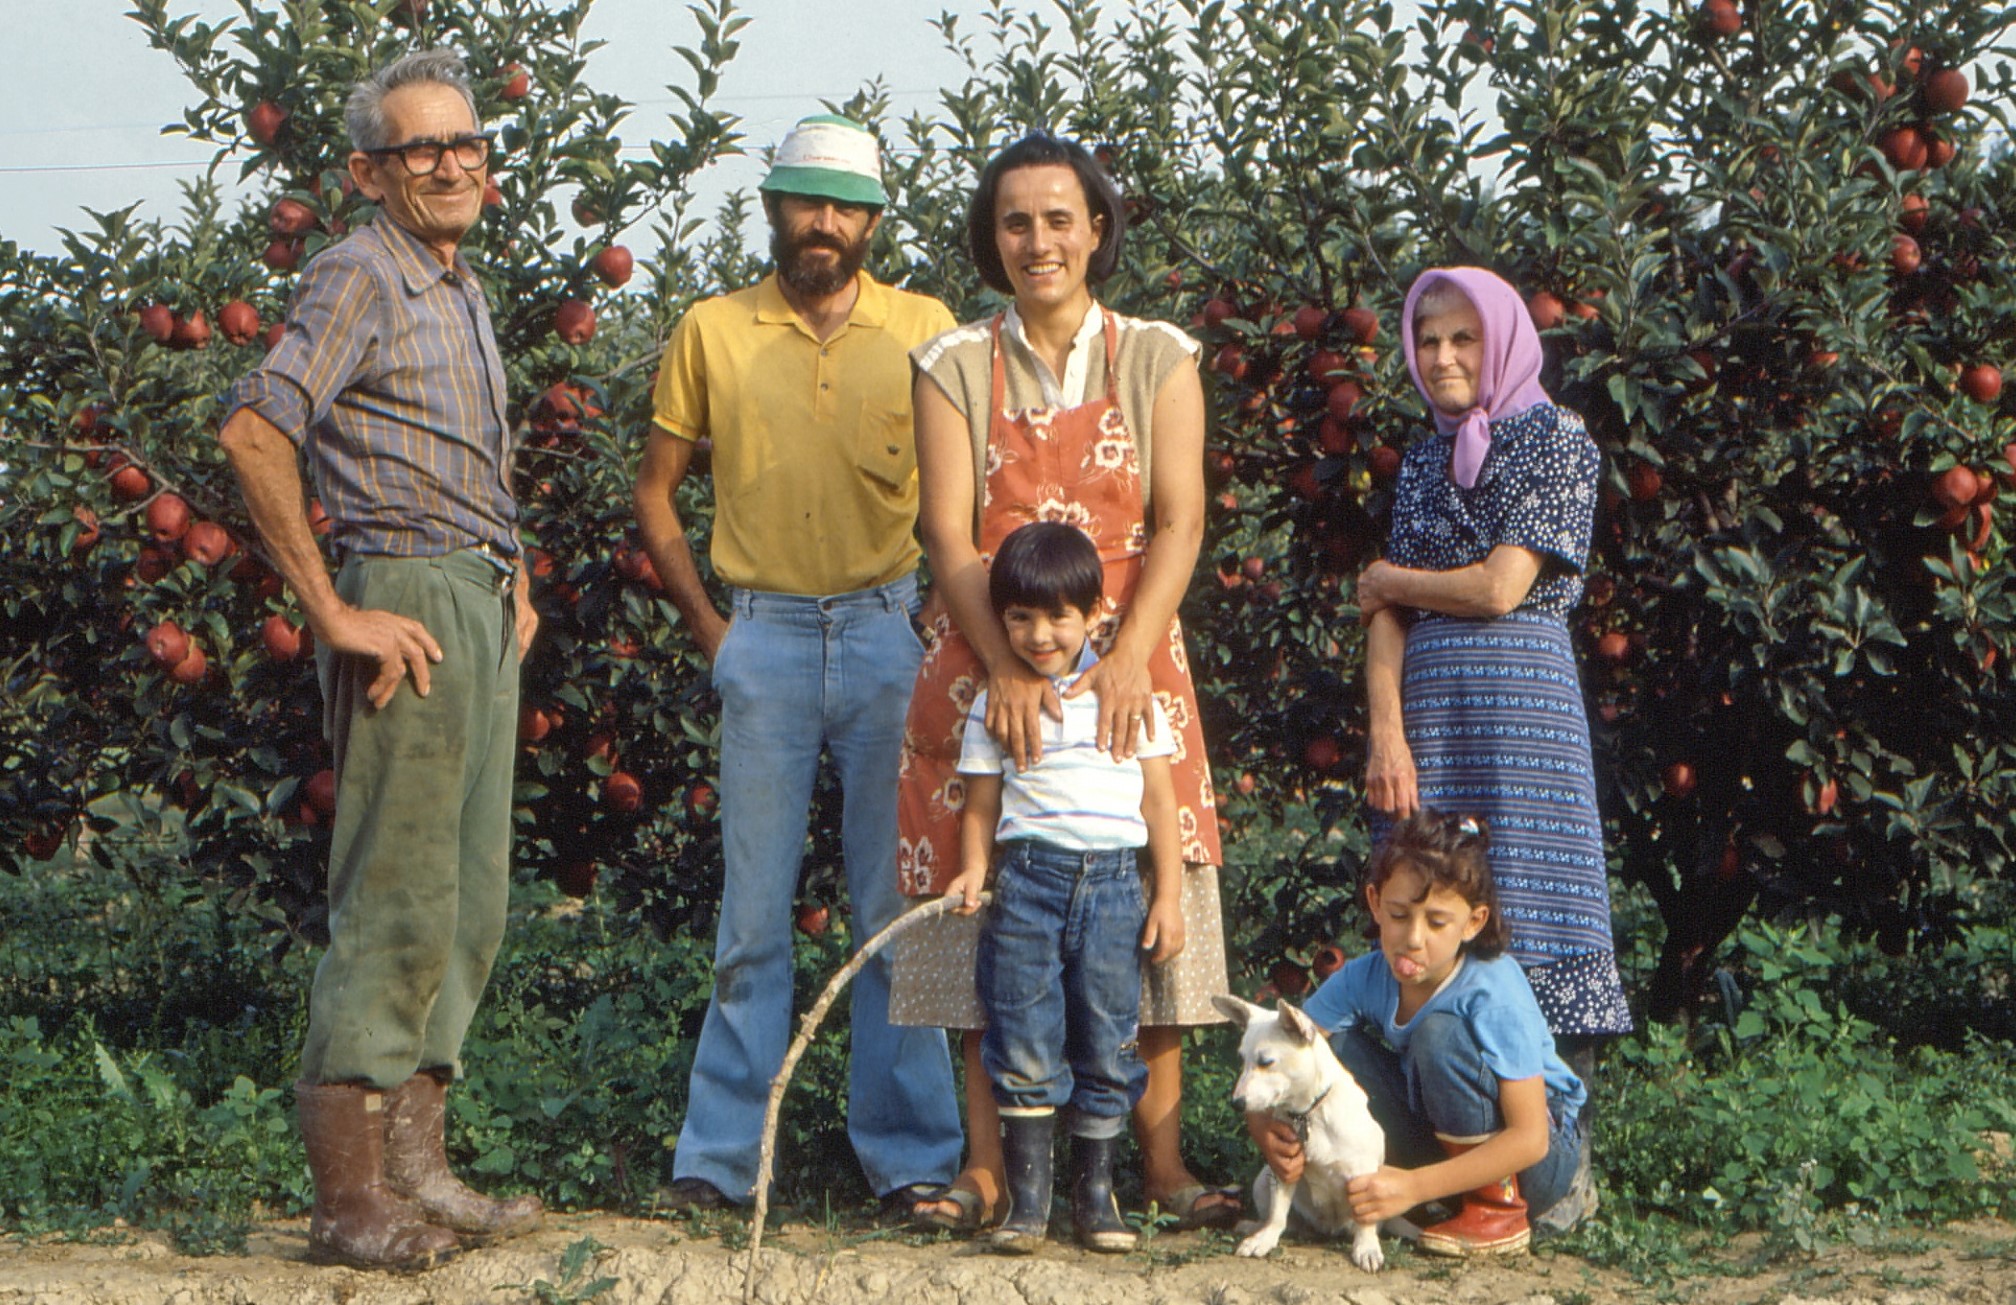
x=1201 y=1206
x=972 y=1217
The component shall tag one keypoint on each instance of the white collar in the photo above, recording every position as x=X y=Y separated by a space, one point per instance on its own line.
x=1070 y=391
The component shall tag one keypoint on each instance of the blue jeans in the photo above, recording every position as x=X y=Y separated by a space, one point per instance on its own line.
x=798 y=673
x=1442 y=1085
x=1060 y=979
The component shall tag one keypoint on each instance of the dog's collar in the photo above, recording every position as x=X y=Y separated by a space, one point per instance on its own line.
x=1300 y=1121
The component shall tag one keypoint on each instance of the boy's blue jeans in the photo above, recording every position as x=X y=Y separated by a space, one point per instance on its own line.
x=1060 y=979
x=1442 y=1085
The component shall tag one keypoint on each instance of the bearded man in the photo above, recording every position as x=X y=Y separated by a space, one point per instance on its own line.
x=801 y=383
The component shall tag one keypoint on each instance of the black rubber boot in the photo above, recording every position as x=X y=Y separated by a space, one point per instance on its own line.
x=1025 y=1146
x=1095 y=1215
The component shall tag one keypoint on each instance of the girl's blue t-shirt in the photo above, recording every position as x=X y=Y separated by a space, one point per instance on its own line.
x=1491 y=997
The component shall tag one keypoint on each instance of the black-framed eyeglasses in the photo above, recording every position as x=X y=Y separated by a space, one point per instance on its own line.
x=422 y=157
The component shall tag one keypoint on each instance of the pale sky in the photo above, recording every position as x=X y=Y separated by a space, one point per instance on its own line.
x=82 y=106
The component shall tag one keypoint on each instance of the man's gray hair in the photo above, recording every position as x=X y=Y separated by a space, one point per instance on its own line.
x=364 y=115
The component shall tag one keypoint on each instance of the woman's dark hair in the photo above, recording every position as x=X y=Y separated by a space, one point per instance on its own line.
x=1040 y=149
x=1451 y=852
x=1047 y=565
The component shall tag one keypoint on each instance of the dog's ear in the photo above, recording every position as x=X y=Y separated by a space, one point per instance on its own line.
x=1299 y=1026
x=1239 y=1012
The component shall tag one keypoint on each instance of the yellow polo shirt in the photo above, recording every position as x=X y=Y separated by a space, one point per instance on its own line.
x=815 y=462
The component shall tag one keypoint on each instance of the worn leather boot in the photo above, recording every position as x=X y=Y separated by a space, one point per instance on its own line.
x=1095 y=1214
x=1491 y=1222
x=416 y=1167
x=1026 y=1147
x=357 y=1219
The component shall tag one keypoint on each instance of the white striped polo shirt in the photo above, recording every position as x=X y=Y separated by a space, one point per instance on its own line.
x=1076 y=796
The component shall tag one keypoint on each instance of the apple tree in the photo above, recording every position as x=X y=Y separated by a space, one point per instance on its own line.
x=159 y=703
x=1768 y=247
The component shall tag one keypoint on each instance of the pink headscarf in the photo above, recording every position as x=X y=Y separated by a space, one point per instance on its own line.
x=1509 y=382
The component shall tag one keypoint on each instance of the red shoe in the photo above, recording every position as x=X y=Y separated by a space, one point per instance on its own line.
x=1491 y=1222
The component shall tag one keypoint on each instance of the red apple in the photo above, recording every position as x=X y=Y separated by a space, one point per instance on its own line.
x=1246 y=783
x=283 y=254
x=151 y=565
x=1309 y=321
x=191 y=332
x=1334 y=437
x=1981 y=382
x=1384 y=462
x=701 y=800
x=290 y=218
x=1938 y=150
x=167 y=643
x=1230 y=361
x=1547 y=310
x=613 y=265
x=271 y=340
x=130 y=484
x=622 y=793
x=1913 y=210
x=1325 y=362
x=1322 y=753
x=318 y=518
x=586 y=213
x=1678 y=779
x=167 y=518
x=517 y=82
x=1614 y=647
x=1905 y=147
x=41 y=844
x=1955 y=487
x=533 y=724
x=264 y=121
x=281 y=637
x=493 y=196
x=1218 y=310
x=320 y=793
x=1327 y=961
x=158 y=321
x=1343 y=399
x=1645 y=482
x=1288 y=978
x=1826 y=796
x=239 y=321
x=574 y=322
x=1721 y=17
x=1361 y=325
x=1904 y=254
x=207 y=543
x=1946 y=91
x=192 y=668
x=88 y=531
x=812 y=919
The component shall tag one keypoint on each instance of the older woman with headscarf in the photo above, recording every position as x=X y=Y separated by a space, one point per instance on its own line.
x=1474 y=701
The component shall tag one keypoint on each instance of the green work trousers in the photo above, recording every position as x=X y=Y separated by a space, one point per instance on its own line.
x=419 y=867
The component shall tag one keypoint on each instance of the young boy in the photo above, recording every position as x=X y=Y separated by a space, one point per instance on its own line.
x=1059 y=972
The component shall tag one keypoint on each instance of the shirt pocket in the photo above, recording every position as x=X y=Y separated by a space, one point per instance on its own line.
x=885 y=446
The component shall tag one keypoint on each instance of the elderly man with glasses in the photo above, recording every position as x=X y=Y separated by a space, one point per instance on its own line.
x=388 y=379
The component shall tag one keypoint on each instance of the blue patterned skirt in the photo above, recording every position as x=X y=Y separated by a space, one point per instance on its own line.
x=1495 y=720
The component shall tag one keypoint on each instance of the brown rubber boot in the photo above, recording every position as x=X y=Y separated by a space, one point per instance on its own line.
x=358 y=1220
x=416 y=1167
x=1491 y=1222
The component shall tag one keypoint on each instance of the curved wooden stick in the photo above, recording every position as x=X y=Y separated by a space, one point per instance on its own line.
x=808 y=1025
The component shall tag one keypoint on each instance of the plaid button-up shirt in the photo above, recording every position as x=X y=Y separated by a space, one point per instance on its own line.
x=388 y=375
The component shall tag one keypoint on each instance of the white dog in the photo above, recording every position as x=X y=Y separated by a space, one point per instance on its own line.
x=1291 y=1073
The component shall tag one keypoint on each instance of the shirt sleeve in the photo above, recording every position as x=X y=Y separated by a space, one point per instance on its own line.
x=1511 y=1033
x=331 y=326
x=979 y=754
x=1163 y=744
x=679 y=402
x=1546 y=497
x=1343 y=999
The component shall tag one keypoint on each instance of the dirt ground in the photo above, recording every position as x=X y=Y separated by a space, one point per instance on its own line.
x=653 y=1263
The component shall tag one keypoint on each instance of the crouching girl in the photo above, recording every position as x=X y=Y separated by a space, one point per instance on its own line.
x=1443 y=1033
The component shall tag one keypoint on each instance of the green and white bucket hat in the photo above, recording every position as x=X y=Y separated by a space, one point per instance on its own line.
x=831 y=157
